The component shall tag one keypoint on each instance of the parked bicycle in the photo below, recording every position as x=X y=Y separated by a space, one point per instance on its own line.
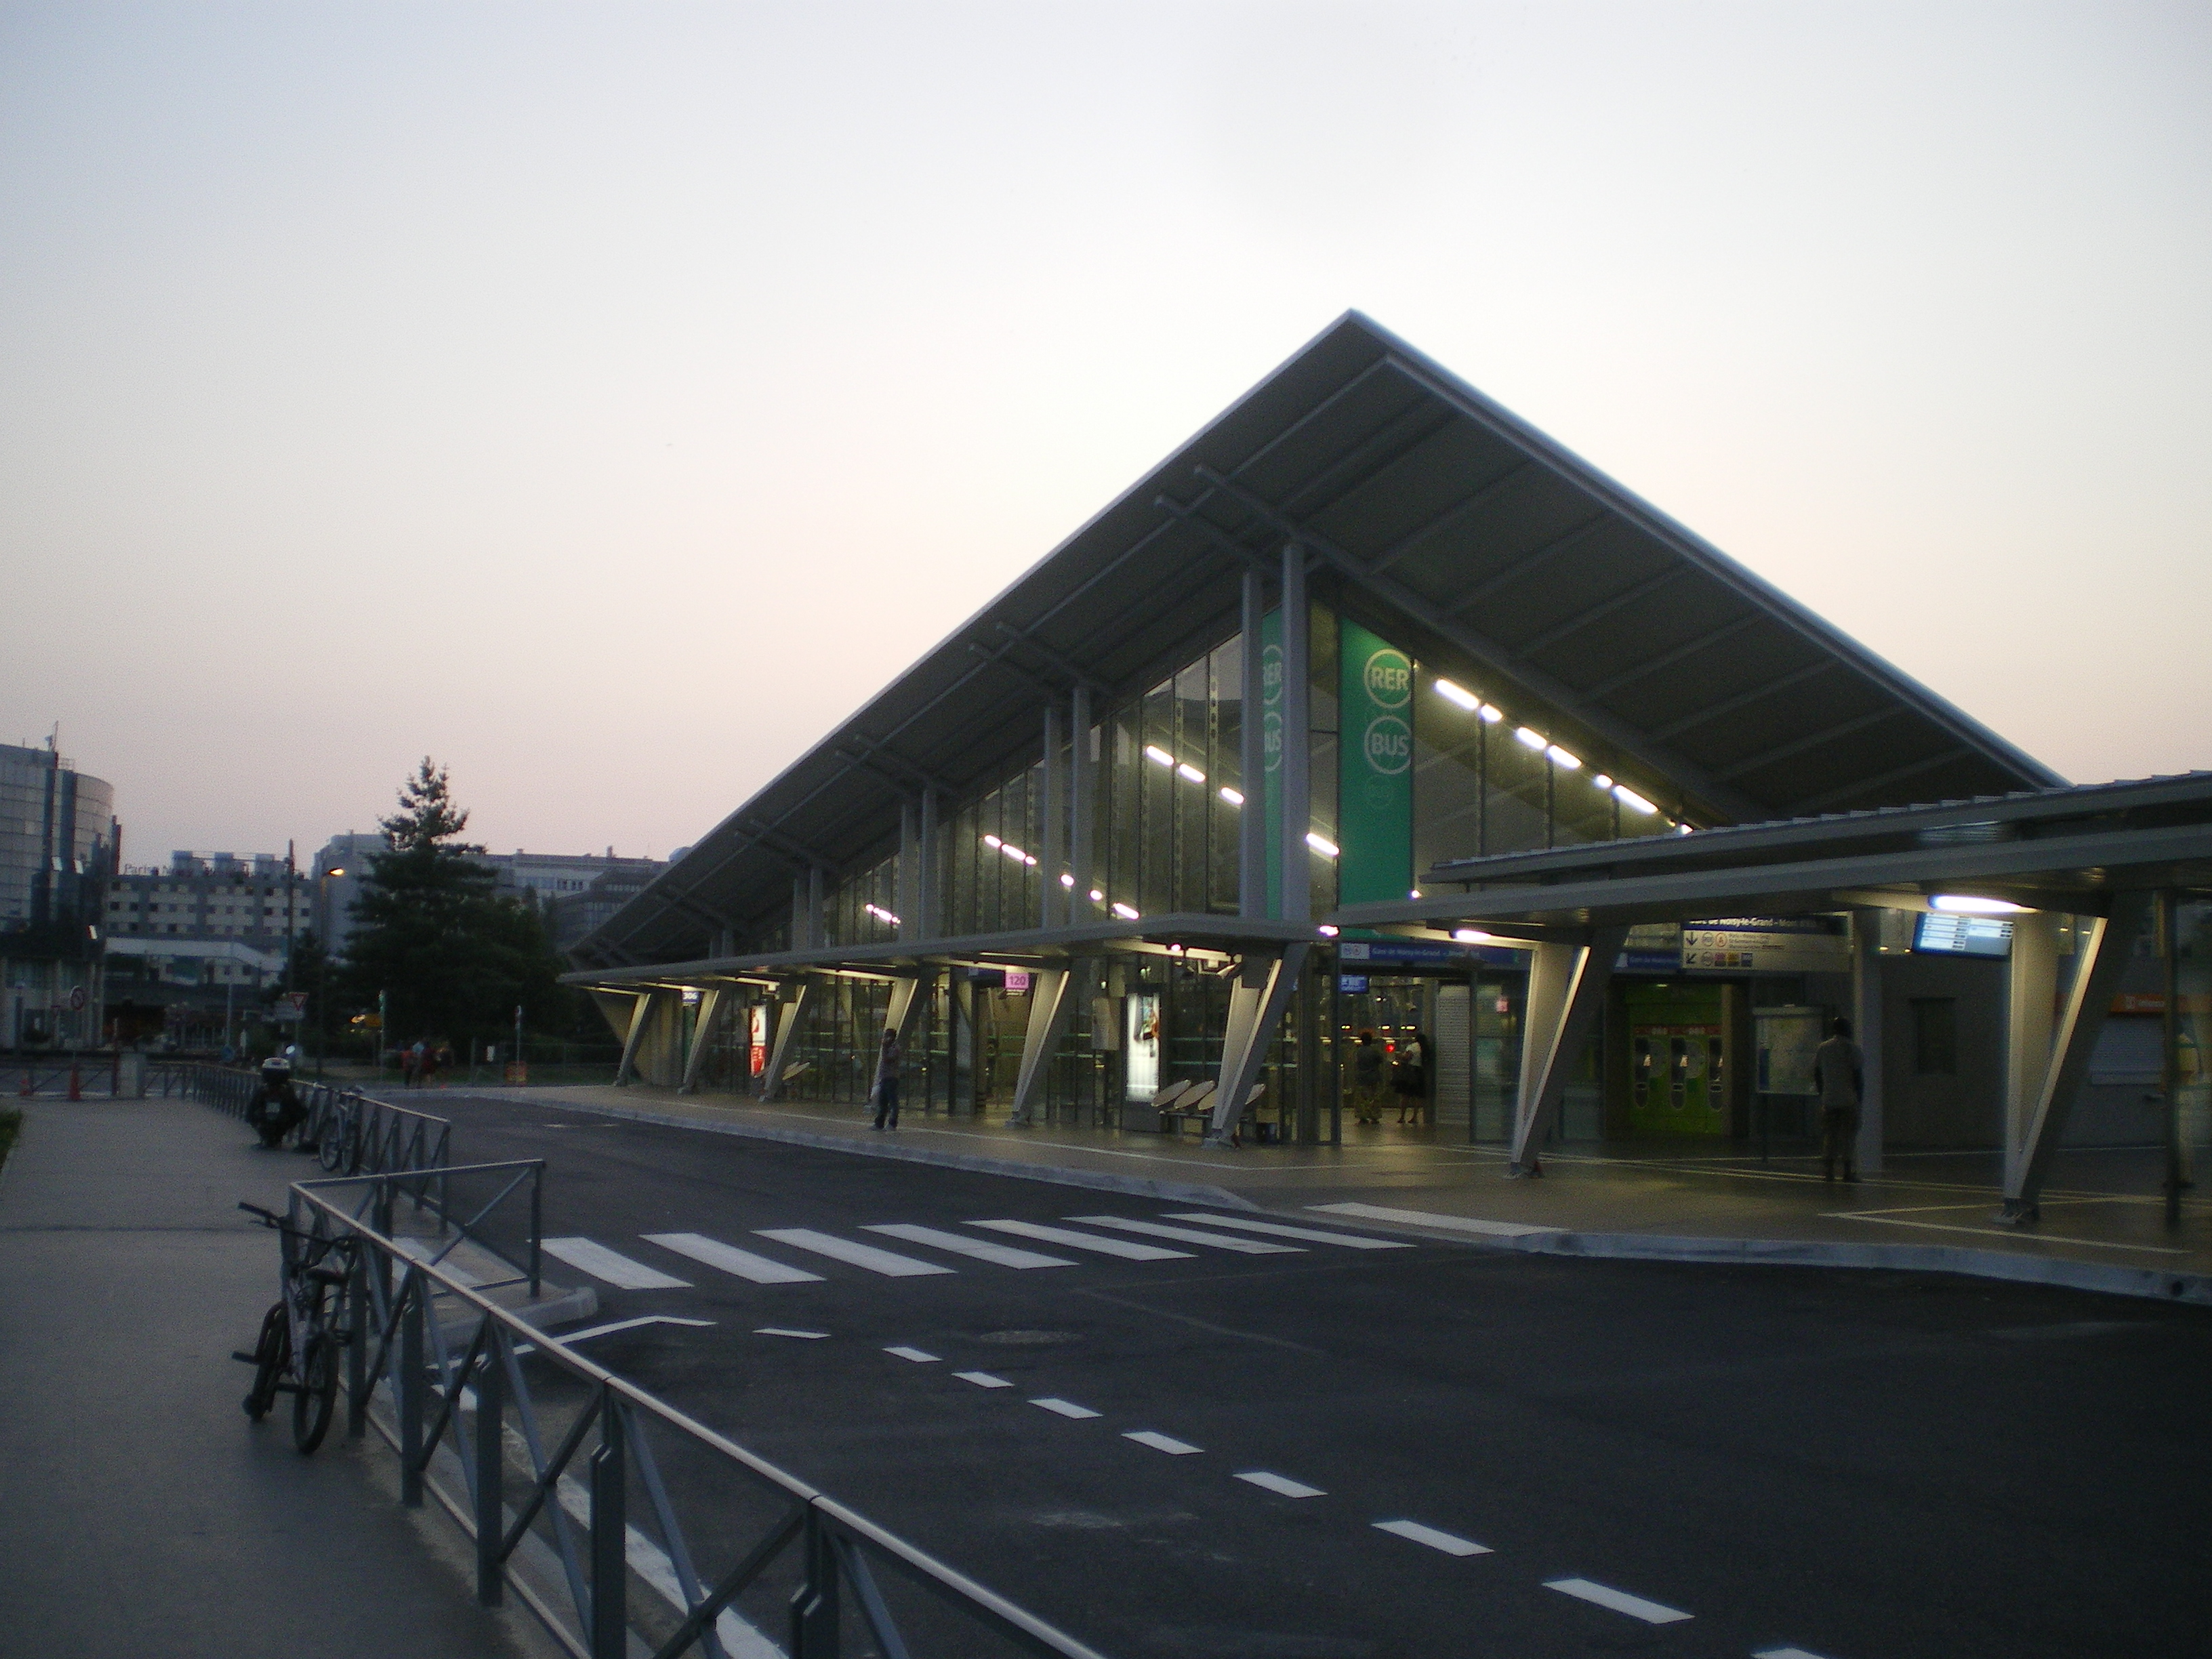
x=303 y=1333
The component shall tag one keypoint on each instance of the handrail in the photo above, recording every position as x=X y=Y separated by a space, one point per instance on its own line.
x=429 y=1393
x=356 y=1133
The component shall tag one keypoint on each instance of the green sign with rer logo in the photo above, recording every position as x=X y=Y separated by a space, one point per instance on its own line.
x=1267 y=791
x=1375 y=768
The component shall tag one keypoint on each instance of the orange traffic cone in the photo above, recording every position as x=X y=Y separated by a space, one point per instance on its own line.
x=25 y=1090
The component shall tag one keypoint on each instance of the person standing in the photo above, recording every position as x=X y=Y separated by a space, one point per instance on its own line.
x=1367 y=1079
x=888 y=1062
x=1410 y=1076
x=1839 y=1076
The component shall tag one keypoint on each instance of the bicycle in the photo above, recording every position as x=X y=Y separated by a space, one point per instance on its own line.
x=338 y=1138
x=296 y=1351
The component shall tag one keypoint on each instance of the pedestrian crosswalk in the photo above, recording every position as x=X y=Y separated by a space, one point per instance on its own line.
x=1192 y=1232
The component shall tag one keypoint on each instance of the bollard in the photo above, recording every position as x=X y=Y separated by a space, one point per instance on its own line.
x=76 y=1083
x=26 y=1090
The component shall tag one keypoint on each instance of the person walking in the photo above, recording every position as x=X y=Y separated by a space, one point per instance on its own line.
x=1367 y=1059
x=888 y=1062
x=1840 y=1077
x=1410 y=1076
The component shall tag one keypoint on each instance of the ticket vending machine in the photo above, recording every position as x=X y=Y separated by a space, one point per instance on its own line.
x=1678 y=1070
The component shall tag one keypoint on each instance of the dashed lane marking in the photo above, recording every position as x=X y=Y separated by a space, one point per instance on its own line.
x=1064 y=1407
x=1004 y=1255
x=617 y=1269
x=1450 y=1543
x=889 y=1263
x=919 y=1356
x=1651 y=1612
x=1166 y=1442
x=778 y=1330
x=1188 y=1236
x=1128 y=1249
x=732 y=1260
x=1462 y=1223
x=1784 y=1653
x=1277 y=1229
x=1281 y=1484
x=983 y=1379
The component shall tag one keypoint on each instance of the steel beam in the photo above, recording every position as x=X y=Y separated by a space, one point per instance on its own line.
x=702 y=1038
x=789 y=1016
x=1812 y=740
x=641 y=1016
x=1293 y=770
x=1252 y=817
x=2048 y=1051
x=1866 y=1028
x=1566 y=993
x=1050 y=1006
x=1053 y=782
x=1263 y=988
x=1081 y=806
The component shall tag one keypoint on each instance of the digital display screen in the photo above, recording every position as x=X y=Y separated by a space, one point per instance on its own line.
x=1948 y=935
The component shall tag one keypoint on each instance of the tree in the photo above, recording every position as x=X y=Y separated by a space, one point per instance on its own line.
x=433 y=934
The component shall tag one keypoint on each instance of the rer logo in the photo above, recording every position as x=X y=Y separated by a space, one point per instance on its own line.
x=1390 y=678
x=1271 y=674
x=1387 y=744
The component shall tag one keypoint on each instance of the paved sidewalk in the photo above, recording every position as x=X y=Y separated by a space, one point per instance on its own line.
x=144 y=1513
x=2103 y=1223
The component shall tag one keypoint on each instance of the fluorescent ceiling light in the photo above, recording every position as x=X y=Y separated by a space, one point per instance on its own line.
x=1186 y=770
x=1067 y=880
x=1097 y=897
x=1231 y=796
x=1630 y=799
x=1533 y=739
x=1967 y=904
x=1321 y=844
x=1153 y=751
x=1599 y=781
x=1415 y=894
x=1124 y=911
x=993 y=841
x=1473 y=936
x=1325 y=931
x=1458 y=694
x=1491 y=714
x=1563 y=758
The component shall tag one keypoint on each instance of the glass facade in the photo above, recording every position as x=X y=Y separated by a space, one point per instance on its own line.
x=57 y=850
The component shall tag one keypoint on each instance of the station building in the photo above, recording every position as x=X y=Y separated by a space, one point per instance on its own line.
x=1373 y=709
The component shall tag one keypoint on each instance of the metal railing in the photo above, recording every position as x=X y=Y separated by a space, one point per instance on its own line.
x=354 y=1134
x=71 y=1075
x=543 y=1457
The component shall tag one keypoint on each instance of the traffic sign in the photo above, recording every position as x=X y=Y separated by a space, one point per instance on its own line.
x=77 y=998
x=293 y=1005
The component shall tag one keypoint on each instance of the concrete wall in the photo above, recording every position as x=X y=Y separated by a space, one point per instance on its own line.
x=1963 y=1107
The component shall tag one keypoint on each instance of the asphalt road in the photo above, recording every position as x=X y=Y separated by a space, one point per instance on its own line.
x=1844 y=1464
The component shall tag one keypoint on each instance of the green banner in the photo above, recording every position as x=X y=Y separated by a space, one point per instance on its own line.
x=1268 y=789
x=1375 y=769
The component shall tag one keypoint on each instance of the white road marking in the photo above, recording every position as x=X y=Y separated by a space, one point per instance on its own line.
x=1188 y=1235
x=1449 y=1544
x=1282 y=1484
x=1785 y=1653
x=1993 y=1232
x=1075 y=1241
x=732 y=1260
x=1620 y=1601
x=1276 y=1229
x=629 y=1325
x=886 y=1262
x=983 y=1379
x=1065 y=1407
x=617 y=1269
x=1005 y=1256
x=1463 y=1223
x=650 y=1562
x=778 y=1330
x=1167 y=1443
x=914 y=1354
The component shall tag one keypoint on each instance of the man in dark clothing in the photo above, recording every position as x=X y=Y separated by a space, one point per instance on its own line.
x=275 y=1109
x=887 y=1080
x=1839 y=1076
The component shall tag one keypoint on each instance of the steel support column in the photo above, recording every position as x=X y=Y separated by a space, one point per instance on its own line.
x=1081 y=806
x=1262 y=990
x=1050 y=1006
x=789 y=1016
x=1054 y=783
x=1252 y=817
x=2043 y=1076
x=909 y=997
x=1866 y=1027
x=640 y=1017
x=906 y=891
x=1566 y=993
x=1295 y=769
x=702 y=1038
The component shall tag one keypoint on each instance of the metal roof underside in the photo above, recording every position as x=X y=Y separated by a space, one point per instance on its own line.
x=1453 y=527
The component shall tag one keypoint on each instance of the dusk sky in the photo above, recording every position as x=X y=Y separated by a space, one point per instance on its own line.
x=606 y=400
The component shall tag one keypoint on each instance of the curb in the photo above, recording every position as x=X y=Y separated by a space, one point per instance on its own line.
x=1104 y=1181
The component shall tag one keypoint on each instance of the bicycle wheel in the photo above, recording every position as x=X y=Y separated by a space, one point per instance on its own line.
x=332 y=1148
x=272 y=1354
x=317 y=1392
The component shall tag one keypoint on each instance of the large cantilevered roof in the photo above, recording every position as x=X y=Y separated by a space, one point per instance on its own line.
x=1450 y=525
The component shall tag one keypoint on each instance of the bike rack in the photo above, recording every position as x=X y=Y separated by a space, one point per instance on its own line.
x=517 y=1460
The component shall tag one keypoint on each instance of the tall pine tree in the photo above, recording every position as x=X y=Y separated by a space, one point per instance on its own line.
x=433 y=934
